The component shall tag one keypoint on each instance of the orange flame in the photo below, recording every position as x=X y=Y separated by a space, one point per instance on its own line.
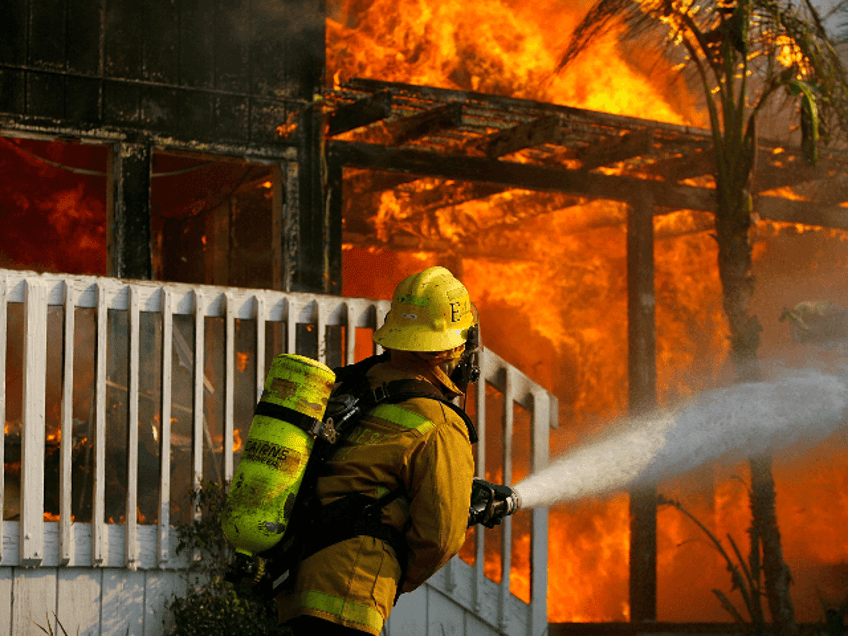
x=242 y=358
x=557 y=276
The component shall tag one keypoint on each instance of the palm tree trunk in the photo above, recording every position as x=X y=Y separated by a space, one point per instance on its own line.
x=733 y=222
x=775 y=570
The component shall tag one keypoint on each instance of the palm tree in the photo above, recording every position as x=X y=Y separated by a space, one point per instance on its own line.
x=744 y=53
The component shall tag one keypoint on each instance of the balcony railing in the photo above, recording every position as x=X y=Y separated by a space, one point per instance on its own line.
x=119 y=397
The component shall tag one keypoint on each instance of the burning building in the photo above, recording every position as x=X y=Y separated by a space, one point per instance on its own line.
x=278 y=147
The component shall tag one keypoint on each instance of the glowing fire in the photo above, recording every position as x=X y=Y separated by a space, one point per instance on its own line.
x=552 y=295
x=499 y=47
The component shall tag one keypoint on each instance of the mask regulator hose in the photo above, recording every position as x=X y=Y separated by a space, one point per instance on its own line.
x=491 y=503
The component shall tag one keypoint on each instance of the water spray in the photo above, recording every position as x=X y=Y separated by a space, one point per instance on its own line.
x=787 y=415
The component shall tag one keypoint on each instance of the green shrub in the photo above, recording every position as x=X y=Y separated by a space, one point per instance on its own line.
x=213 y=606
x=217 y=608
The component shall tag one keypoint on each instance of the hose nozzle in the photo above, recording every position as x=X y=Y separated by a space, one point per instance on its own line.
x=491 y=503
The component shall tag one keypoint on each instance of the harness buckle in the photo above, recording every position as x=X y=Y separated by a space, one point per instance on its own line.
x=380 y=394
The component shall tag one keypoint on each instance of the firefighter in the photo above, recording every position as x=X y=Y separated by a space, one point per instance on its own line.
x=411 y=457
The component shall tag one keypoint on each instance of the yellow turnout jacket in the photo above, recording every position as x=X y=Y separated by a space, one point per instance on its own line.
x=418 y=444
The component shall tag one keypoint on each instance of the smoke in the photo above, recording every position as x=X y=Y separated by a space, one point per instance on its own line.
x=785 y=416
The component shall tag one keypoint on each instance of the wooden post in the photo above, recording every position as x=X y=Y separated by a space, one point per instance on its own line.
x=310 y=262
x=642 y=374
x=128 y=241
x=333 y=224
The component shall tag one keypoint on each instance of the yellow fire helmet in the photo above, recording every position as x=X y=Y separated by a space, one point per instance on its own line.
x=431 y=311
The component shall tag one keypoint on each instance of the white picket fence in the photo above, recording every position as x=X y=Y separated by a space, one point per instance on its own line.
x=102 y=575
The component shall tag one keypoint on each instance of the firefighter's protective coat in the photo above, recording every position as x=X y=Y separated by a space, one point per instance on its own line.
x=419 y=444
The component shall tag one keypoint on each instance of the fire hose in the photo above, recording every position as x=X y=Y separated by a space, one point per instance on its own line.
x=490 y=505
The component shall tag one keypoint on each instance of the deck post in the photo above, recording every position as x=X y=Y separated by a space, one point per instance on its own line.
x=642 y=373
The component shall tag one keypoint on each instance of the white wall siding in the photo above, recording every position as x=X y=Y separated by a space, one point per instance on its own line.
x=105 y=576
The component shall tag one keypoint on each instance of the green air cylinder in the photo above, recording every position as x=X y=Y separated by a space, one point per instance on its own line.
x=272 y=465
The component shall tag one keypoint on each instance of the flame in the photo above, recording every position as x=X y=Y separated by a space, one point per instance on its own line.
x=237 y=443
x=787 y=51
x=497 y=47
x=57 y=198
x=242 y=360
x=554 y=271
x=565 y=298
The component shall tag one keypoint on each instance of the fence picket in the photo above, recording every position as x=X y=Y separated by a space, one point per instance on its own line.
x=98 y=438
x=260 y=344
x=199 y=417
x=131 y=515
x=164 y=532
x=229 y=388
x=479 y=552
x=32 y=423
x=67 y=423
x=506 y=531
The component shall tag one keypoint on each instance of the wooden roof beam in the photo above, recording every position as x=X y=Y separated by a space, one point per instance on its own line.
x=579 y=183
x=518 y=175
x=634 y=144
x=400 y=131
x=697 y=163
x=362 y=112
x=536 y=132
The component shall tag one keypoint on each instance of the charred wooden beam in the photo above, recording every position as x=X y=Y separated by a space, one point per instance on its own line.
x=578 y=183
x=422 y=124
x=635 y=144
x=360 y=113
x=333 y=206
x=526 y=135
x=129 y=238
x=315 y=225
x=571 y=116
x=696 y=163
x=519 y=175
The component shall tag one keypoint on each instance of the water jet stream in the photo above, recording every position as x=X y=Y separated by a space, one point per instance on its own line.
x=784 y=416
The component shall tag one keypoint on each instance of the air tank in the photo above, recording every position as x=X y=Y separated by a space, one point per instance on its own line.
x=271 y=468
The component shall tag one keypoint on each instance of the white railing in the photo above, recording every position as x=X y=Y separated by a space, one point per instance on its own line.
x=79 y=326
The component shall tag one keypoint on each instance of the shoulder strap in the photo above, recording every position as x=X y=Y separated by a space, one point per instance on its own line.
x=352 y=379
